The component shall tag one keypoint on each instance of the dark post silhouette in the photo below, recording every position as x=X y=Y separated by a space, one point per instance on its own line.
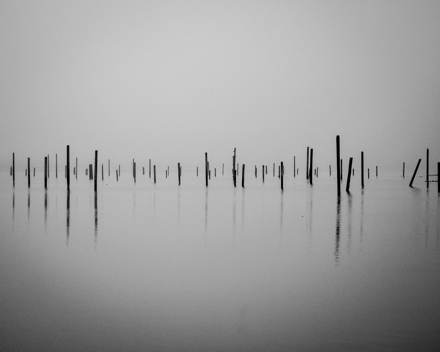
x=438 y=177
x=29 y=172
x=117 y=177
x=415 y=172
x=234 y=172
x=427 y=168
x=311 y=167
x=377 y=171
x=403 y=169
x=134 y=171
x=368 y=173
x=255 y=171
x=154 y=172
x=262 y=173
x=362 y=169
x=102 y=172
x=350 y=163
x=96 y=171
x=13 y=169
x=307 y=167
x=341 y=170
x=178 y=172
x=282 y=176
x=206 y=169
x=68 y=168
x=242 y=176
x=330 y=170
x=56 y=166
x=45 y=172
x=338 y=166
x=273 y=169
x=197 y=171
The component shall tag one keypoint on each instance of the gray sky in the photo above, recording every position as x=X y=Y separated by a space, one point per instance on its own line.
x=169 y=80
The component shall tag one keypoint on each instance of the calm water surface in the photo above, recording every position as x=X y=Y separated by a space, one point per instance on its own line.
x=165 y=268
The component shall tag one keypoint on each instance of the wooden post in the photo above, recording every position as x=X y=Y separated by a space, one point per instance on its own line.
x=29 y=172
x=368 y=173
x=197 y=171
x=311 y=167
x=215 y=172
x=206 y=169
x=13 y=169
x=330 y=170
x=415 y=172
x=45 y=172
x=68 y=168
x=427 y=168
x=403 y=169
x=338 y=166
x=262 y=173
x=294 y=167
x=134 y=171
x=96 y=171
x=56 y=166
x=255 y=171
x=178 y=172
x=90 y=172
x=377 y=171
x=307 y=167
x=117 y=178
x=242 y=176
x=362 y=170
x=154 y=171
x=234 y=171
x=350 y=163
x=281 y=176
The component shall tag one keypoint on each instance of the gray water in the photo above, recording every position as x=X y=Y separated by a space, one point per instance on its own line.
x=167 y=268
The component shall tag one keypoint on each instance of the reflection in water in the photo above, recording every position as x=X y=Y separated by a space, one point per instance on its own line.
x=281 y=217
x=234 y=211
x=427 y=217
x=67 y=217
x=349 y=225
x=242 y=211
x=206 y=214
x=338 y=230
x=13 y=208
x=178 y=204
x=29 y=204
x=45 y=210
x=309 y=223
x=96 y=216
x=438 y=222
x=361 y=221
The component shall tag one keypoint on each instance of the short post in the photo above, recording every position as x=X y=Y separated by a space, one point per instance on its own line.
x=330 y=170
x=242 y=176
x=29 y=172
x=415 y=172
x=143 y=170
x=45 y=172
x=197 y=171
x=350 y=163
x=68 y=168
x=377 y=171
x=368 y=173
x=255 y=171
x=338 y=167
x=282 y=176
x=96 y=171
x=154 y=172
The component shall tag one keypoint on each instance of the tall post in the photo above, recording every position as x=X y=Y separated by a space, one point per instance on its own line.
x=45 y=172
x=338 y=166
x=96 y=171
x=415 y=172
x=362 y=170
x=350 y=163
x=307 y=167
x=282 y=176
x=68 y=168
x=29 y=172
x=311 y=167
x=13 y=169
x=242 y=176
x=427 y=168
x=206 y=169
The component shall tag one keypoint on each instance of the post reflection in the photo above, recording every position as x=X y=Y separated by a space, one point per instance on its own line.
x=338 y=230
x=29 y=205
x=309 y=223
x=13 y=206
x=427 y=219
x=281 y=216
x=178 y=204
x=96 y=216
x=242 y=210
x=349 y=222
x=45 y=210
x=234 y=212
x=206 y=215
x=361 y=236
x=67 y=217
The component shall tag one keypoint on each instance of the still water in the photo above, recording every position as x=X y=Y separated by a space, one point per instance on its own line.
x=166 y=268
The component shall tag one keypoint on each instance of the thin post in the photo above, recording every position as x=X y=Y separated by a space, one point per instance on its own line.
x=76 y=168
x=427 y=168
x=294 y=167
x=149 y=168
x=311 y=167
x=281 y=176
x=273 y=169
x=362 y=170
x=29 y=172
x=102 y=172
x=178 y=172
x=197 y=171
x=96 y=171
x=117 y=178
x=255 y=171
x=403 y=169
x=48 y=168
x=206 y=169
x=377 y=171
x=438 y=177
x=108 y=167
x=368 y=173
x=262 y=173
x=338 y=166
x=154 y=173
x=307 y=167
x=415 y=172
x=234 y=171
x=68 y=168
x=242 y=176
x=341 y=170
x=134 y=171
x=13 y=169
x=350 y=163
x=223 y=169
x=45 y=172
x=330 y=170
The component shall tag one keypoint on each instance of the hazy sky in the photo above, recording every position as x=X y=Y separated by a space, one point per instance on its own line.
x=171 y=80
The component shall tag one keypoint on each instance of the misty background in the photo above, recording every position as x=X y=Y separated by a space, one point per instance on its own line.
x=171 y=80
